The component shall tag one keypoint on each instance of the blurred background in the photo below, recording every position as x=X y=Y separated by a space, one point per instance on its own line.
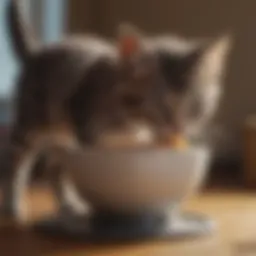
x=198 y=18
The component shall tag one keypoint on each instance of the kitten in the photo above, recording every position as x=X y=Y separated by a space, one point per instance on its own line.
x=89 y=92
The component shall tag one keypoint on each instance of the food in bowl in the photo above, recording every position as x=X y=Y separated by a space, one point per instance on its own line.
x=139 y=136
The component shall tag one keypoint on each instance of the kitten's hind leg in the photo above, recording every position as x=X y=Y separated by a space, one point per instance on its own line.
x=17 y=162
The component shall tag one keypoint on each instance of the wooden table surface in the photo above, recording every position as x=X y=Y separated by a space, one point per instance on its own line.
x=234 y=211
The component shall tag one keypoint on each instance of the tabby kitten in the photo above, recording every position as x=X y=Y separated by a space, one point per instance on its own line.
x=87 y=92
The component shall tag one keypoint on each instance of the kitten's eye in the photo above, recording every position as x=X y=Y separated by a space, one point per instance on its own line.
x=132 y=100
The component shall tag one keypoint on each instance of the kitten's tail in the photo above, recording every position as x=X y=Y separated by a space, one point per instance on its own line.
x=23 y=42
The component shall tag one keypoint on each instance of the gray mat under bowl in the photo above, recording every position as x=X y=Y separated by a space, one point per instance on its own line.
x=116 y=228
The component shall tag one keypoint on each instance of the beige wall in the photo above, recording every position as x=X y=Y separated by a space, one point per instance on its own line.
x=192 y=18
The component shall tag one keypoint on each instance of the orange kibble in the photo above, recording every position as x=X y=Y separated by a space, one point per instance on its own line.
x=178 y=142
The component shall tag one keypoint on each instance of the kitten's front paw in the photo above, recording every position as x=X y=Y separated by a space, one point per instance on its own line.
x=67 y=212
x=79 y=208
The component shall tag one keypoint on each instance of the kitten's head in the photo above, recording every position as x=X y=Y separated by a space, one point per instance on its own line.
x=194 y=72
x=160 y=86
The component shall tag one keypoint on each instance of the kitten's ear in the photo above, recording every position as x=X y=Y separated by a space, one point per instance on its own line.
x=212 y=62
x=129 y=41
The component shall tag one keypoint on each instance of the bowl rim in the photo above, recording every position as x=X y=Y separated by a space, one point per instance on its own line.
x=143 y=150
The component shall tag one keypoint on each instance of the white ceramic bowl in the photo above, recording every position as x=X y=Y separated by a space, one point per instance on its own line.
x=134 y=180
